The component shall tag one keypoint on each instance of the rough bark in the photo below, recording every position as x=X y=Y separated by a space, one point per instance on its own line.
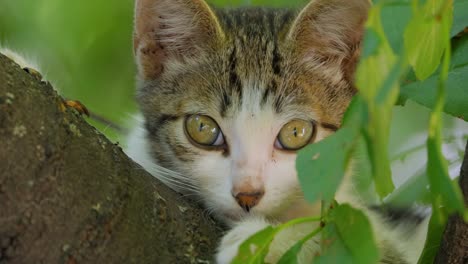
x=454 y=246
x=69 y=195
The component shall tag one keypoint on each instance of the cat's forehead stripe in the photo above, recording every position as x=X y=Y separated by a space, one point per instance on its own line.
x=254 y=40
x=226 y=103
x=276 y=60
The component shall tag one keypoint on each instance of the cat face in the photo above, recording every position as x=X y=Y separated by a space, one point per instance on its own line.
x=228 y=97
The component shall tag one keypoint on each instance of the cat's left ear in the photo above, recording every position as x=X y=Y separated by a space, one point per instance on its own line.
x=330 y=31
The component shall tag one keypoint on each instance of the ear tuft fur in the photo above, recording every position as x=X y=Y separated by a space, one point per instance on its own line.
x=331 y=31
x=168 y=30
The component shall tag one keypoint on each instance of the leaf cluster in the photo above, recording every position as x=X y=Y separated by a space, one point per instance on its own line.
x=412 y=50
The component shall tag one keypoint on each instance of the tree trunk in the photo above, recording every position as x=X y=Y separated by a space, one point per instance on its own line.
x=69 y=195
x=454 y=246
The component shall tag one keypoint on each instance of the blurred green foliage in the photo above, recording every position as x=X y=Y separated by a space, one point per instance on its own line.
x=85 y=48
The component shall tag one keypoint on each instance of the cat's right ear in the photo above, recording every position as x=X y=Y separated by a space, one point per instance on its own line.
x=330 y=32
x=172 y=30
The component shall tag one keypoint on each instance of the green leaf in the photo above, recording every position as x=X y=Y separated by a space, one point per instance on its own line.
x=425 y=92
x=424 y=38
x=371 y=42
x=254 y=249
x=460 y=16
x=415 y=189
x=321 y=166
x=442 y=187
x=394 y=28
x=460 y=52
x=346 y=237
x=291 y=255
x=434 y=235
x=333 y=248
x=355 y=230
x=377 y=79
x=376 y=138
x=356 y=115
x=397 y=14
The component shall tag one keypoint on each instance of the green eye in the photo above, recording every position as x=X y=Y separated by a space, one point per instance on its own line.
x=203 y=130
x=295 y=135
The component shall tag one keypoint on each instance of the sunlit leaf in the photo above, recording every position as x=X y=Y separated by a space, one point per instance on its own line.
x=377 y=81
x=397 y=14
x=443 y=190
x=424 y=42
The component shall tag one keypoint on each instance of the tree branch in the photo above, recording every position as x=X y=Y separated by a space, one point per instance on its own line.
x=454 y=246
x=68 y=195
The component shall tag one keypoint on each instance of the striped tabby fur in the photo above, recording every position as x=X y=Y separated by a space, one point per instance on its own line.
x=251 y=70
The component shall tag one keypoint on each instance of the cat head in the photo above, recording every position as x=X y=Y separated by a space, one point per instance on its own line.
x=229 y=96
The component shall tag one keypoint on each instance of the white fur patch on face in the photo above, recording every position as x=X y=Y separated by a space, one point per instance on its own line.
x=253 y=164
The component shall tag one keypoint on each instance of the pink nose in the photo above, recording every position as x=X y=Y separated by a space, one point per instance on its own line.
x=247 y=200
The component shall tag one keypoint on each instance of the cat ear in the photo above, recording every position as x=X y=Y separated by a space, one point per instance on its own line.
x=331 y=31
x=167 y=30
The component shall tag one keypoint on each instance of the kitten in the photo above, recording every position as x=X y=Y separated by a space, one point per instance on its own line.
x=227 y=98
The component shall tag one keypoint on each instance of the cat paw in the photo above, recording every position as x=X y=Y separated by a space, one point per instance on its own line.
x=230 y=243
x=226 y=253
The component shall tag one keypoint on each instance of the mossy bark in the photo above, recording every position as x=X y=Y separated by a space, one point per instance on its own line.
x=69 y=195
